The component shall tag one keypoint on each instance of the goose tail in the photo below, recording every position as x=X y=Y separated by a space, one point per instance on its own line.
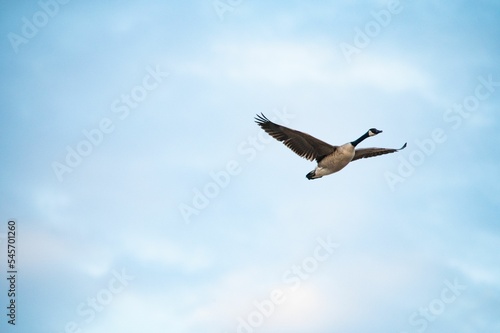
x=311 y=175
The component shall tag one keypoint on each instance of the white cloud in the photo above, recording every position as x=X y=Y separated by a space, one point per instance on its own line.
x=305 y=309
x=285 y=63
x=51 y=204
x=42 y=248
x=134 y=312
x=478 y=268
x=165 y=252
x=388 y=74
x=275 y=62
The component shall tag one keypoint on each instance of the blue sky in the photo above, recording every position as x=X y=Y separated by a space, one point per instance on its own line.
x=147 y=199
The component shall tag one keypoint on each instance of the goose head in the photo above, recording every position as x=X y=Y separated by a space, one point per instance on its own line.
x=373 y=132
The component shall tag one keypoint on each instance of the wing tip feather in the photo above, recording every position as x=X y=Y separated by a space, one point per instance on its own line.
x=261 y=119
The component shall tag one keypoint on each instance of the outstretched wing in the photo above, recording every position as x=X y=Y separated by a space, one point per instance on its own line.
x=300 y=143
x=371 y=152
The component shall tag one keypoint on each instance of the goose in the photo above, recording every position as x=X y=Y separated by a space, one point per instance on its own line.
x=330 y=158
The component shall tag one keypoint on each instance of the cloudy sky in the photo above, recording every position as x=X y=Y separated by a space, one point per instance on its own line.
x=146 y=198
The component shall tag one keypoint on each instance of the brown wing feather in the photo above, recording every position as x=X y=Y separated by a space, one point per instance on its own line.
x=300 y=143
x=371 y=152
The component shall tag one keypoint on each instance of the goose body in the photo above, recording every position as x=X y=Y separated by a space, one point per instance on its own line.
x=330 y=158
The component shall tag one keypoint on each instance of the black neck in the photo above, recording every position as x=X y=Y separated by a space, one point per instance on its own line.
x=361 y=138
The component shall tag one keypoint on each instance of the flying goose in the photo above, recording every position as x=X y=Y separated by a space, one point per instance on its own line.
x=330 y=158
